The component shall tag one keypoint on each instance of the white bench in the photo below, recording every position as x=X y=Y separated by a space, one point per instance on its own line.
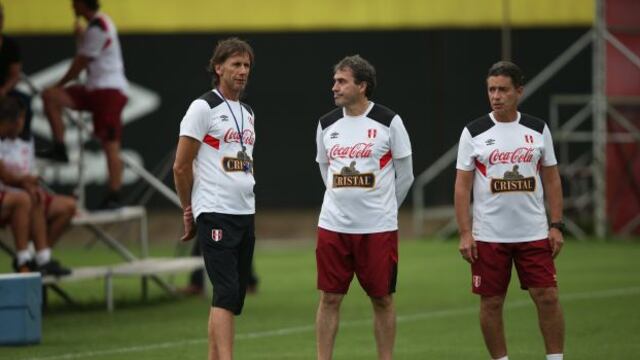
x=136 y=265
x=93 y=220
x=145 y=268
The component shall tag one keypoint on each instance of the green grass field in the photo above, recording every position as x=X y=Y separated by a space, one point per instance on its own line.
x=437 y=314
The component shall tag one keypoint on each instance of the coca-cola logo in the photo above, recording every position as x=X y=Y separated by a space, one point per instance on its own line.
x=232 y=136
x=519 y=155
x=359 y=150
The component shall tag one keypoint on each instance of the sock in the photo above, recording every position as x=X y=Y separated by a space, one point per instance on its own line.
x=23 y=256
x=554 y=356
x=43 y=256
x=31 y=248
x=503 y=358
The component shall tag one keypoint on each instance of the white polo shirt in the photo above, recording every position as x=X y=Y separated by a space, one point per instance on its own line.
x=221 y=184
x=100 y=43
x=508 y=199
x=360 y=196
x=17 y=156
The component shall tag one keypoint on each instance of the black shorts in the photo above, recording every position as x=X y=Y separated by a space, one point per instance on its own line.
x=227 y=243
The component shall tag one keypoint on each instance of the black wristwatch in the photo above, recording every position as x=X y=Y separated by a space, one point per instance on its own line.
x=558 y=225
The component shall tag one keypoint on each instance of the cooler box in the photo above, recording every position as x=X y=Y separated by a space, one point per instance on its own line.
x=20 y=308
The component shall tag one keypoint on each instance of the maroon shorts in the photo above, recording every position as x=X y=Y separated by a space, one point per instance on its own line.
x=106 y=107
x=372 y=257
x=491 y=273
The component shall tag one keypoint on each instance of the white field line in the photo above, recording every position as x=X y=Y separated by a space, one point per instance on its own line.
x=564 y=298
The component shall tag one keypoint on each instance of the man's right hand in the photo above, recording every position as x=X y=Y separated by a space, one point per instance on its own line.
x=189 y=224
x=468 y=248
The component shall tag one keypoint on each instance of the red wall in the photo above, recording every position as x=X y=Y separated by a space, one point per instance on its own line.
x=623 y=79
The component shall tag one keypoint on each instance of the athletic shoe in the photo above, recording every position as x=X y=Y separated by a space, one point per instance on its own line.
x=54 y=268
x=58 y=152
x=110 y=202
x=29 y=266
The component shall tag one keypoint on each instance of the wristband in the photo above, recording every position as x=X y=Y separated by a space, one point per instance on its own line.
x=558 y=225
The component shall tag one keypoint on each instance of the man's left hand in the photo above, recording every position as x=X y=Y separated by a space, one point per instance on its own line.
x=556 y=240
x=189 y=225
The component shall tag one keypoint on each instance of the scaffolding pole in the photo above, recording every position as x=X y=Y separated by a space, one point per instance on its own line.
x=599 y=103
x=506 y=30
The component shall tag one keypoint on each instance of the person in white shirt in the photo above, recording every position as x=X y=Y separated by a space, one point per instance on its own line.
x=507 y=158
x=48 y=214
x=103 y=94
x=213 y=174
x=364 y=155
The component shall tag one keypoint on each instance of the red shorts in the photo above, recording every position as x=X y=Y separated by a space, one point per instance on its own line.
x=106 y=107
x=491 y=273
x=372 y=257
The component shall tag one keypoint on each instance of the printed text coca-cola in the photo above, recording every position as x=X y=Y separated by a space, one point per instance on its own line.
x=232 y=136
x=359 y=150
x=519 y=155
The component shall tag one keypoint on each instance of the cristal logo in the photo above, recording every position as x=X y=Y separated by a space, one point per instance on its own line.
x=519 y=155
x=359 y=150
x=232 y=136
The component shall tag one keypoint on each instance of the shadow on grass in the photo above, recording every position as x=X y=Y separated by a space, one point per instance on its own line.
x=120 y=304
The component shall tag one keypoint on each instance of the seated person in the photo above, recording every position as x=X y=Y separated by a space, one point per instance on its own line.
x=47 y=215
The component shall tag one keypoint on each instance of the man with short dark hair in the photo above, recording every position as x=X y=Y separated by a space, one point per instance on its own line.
x=213 y=174
x=103 y=95
x=10 y=72
x=364 y=155
x=508 y=159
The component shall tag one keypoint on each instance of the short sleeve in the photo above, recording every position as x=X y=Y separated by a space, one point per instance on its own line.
x=548 y=154
x=195 y=123
x=466 y=156
x=93 y=42
x=321 y=154
x=399 y=139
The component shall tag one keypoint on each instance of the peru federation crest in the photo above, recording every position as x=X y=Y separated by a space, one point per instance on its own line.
x=476 y=281
x=216 y=234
